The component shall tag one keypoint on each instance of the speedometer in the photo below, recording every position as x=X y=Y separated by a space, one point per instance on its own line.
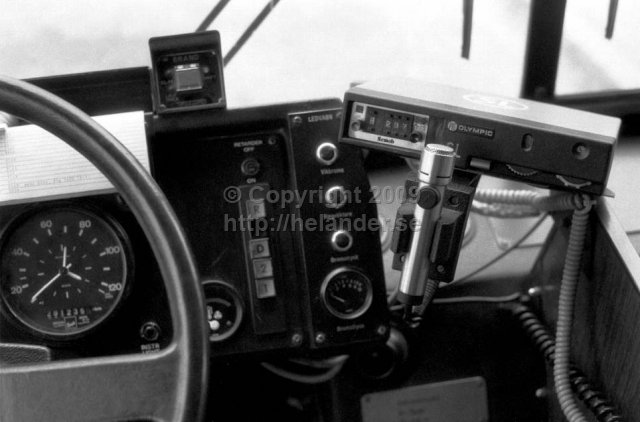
x=63 y=269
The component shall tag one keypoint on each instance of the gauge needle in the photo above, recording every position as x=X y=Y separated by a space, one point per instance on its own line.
x=338 y=298
x=65 y=266
x=73 y=275
x=49 y=283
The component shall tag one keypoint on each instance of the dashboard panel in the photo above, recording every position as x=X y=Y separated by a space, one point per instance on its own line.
x=281 y=221
x=280 y=213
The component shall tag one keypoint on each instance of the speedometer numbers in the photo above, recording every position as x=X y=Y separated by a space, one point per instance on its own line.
x=64 y=270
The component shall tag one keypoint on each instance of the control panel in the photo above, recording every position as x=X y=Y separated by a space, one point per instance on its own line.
x=386 y=125
x=282 y=224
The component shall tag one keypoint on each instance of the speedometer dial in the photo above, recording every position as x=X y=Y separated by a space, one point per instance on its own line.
x=63 y=270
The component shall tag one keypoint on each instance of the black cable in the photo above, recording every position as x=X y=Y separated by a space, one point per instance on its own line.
x=206 y=23
x=250 y=30
x=594 y=400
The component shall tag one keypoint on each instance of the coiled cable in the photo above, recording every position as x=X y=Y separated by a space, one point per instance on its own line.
x=540 y=335
x=558 y=202
x=566 y=302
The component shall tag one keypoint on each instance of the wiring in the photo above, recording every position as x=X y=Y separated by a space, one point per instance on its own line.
x=566 y=303
x=477 y=299
x=504 y=211
x=506 y=252
x=594 y=399
x=331 y=367
x=470 y=299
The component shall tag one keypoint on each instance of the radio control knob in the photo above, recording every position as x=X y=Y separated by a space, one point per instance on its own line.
x=341 y=241
x=335 y=197
x=327 y=153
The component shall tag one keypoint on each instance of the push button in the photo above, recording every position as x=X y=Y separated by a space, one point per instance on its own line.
x=327 y=153
x=335 y=197
x=341 y=241
x=256 y=209
x=250 y=167
x=265 y=288
x=259 y=248
x=262 y=268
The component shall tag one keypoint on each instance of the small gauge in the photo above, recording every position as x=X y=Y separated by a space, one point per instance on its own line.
x=224 y=309
x=346 y=293
x=64 y=269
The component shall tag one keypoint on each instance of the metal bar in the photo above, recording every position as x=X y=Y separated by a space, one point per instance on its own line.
x=618 y=103
x=467 y=22
x=611 y=19
x=250 y=30
x=206 y=23
x=546 y=21
x=103 y=92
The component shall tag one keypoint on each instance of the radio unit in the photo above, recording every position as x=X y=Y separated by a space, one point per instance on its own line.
x=281 y=222
x=524 y=140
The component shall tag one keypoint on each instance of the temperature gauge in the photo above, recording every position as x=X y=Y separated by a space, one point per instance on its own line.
x=346 y=293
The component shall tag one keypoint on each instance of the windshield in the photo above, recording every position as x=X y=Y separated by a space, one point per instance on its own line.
x=313 y=48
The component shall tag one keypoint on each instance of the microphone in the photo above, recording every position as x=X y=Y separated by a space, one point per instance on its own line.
x=436 y=170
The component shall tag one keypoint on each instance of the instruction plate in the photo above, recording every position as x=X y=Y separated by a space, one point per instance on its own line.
x=461 y=400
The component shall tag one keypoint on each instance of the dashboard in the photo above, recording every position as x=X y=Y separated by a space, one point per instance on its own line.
x=292 y=235
x=279 y=274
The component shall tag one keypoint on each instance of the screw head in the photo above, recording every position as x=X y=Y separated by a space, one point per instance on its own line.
x=534 y=291
x=297 y=120
x=296 y=339
x=381 y=330
x=321 y=338
x=542 y=393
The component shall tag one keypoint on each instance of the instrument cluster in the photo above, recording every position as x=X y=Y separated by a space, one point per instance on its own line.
x=78 y=276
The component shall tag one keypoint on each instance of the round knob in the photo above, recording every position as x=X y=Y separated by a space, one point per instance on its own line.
x=250 y=167
x=335 y=197
x=341 y=241
x=150 y=331
x=327 y=153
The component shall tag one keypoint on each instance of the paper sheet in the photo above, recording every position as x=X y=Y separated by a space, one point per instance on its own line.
x=36 y=165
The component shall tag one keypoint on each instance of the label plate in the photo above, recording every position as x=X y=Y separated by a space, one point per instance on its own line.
x=461 y=400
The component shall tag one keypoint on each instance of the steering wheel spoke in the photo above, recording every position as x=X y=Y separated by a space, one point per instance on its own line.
x=138 y=387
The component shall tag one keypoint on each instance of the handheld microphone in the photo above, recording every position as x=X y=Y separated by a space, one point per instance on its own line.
x=436 y=170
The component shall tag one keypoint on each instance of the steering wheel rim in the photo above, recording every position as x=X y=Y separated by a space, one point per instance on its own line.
x=169 y=385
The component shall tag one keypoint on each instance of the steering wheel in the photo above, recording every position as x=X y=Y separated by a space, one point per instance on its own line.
x=169 y=385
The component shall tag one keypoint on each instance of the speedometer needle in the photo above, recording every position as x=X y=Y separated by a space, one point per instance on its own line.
x=65 y=270
x=73 y=275
x=49 y=283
